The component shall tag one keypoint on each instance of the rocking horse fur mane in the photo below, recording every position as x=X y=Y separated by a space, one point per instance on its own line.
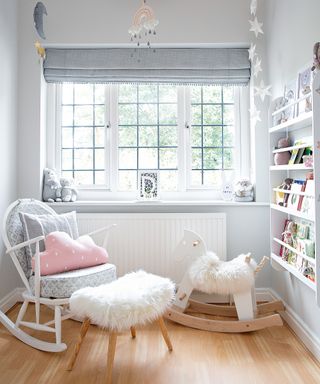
x=211 y=275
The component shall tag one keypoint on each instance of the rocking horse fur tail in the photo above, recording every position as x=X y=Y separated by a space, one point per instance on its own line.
x=261 y=264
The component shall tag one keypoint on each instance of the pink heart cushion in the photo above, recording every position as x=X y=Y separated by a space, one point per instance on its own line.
x=65 y=254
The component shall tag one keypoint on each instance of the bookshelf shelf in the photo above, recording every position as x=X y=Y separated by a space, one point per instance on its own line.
x=303 y=131
x=295 y=272
x=299 y=122
x=291 y=212
x=310 y=259
x=290 y=167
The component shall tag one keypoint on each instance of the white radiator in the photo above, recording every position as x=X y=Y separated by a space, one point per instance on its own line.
x=147 y=240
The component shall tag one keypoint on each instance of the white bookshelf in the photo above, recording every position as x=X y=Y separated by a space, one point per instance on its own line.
x=306 y=125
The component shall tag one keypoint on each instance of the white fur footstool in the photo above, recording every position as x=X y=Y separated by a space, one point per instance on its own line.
x=134 y=299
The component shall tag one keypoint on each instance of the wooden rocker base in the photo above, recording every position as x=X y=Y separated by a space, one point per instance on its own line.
x=230 y=310
x=29 y=340
x=225 y=326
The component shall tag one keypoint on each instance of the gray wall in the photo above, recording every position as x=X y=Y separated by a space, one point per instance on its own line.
x=8 y=127
x=292 y=29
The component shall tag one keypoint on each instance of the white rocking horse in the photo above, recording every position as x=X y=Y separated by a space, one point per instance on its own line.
x=235 y=278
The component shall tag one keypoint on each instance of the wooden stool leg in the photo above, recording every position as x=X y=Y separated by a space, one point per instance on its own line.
x=83 y=331
x=133 y=332
x=165 y=334
x=111 y=352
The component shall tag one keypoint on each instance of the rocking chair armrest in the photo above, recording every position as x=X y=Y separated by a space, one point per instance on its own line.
x=100 y=230
x=25 y=244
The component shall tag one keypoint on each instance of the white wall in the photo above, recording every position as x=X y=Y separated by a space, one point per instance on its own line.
x=292 y=29
x=8 y=127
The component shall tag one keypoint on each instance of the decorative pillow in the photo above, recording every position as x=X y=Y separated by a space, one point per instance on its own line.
x=41 y=225
x=64 y=254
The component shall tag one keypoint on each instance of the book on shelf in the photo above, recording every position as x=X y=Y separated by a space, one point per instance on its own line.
x=293 y=200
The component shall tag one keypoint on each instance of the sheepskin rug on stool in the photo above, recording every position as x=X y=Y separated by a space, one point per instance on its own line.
x=211 y=275
x=134 y=299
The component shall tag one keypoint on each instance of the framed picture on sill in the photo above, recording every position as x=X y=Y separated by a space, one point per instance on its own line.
x=148 y=185
x=304 y=90
x=290 y=95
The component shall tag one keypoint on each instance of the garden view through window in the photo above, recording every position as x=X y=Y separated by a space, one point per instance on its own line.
x=185 y=133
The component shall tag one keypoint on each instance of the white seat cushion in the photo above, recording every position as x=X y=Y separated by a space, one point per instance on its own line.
x=63 y=285
x=134 y=299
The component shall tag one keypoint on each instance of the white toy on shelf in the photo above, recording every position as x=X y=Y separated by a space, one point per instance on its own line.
x=208 y=274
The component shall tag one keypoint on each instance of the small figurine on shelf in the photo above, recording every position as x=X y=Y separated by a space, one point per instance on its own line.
x=282 y=158
x=243 y=190
x=282 y=197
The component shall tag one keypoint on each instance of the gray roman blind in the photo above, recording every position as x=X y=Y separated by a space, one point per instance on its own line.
x=166 y=65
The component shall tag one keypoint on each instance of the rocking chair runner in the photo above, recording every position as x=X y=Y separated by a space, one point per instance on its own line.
x=53 y=291
x=251 y=316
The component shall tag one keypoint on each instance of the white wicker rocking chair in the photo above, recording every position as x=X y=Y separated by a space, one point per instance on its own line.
x=53 y=291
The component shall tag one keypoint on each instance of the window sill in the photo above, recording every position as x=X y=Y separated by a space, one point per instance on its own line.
x=158 y=203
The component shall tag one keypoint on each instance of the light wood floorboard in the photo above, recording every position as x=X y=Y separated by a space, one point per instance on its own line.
x=269 y=356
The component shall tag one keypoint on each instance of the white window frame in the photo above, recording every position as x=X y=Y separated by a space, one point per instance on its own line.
x=185 y=190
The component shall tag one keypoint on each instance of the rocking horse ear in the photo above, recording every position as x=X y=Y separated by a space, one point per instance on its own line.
x=248 y=258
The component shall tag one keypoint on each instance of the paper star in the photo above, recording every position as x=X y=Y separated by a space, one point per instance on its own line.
x=257 y=67
x=256 y=27
x=263 y=90
x=252 y=52
x=253 y=7
x=254 y=115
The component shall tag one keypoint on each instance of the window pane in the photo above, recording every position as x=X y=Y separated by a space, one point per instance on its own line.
x=228 y=95
x=168 y=94
x=100 y=136
x=196 y=136
x=168 y=180
x=67 y=116
x=67 y=174
x=228 y=114
x=83 y=115
x=67 y=94
x=148 y=158
x=212 y=114
x=99 y=117
x=83 y=94
x=196 y=178
x=196 y=115
x=195 y=94
x=228 y=158
x=228 y=136
x=196 y=158
x=67 y=137
x=99 y=93
x=83 y=137
x=212 y=136
x=168 y=114
x=128 y=136
x=168 y=136
x=212 y=94
x=66 y=159
x=148 y=136
x=148 y=114
x=83 y=177
x=212 y=178
x=99 y=159
x=127 y=93
x=127 y=180
x=127 y=158
x=148 y=93
x=168 y=158
x=100 y=178
x=212 y=158
x=127 y=114
x=83 y=159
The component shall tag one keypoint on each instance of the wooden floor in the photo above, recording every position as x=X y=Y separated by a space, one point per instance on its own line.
x=269 y=356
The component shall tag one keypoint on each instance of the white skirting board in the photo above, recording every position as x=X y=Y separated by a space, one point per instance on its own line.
x=303 y=332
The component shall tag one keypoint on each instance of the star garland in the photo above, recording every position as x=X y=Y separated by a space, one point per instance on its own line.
x=261 y=90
